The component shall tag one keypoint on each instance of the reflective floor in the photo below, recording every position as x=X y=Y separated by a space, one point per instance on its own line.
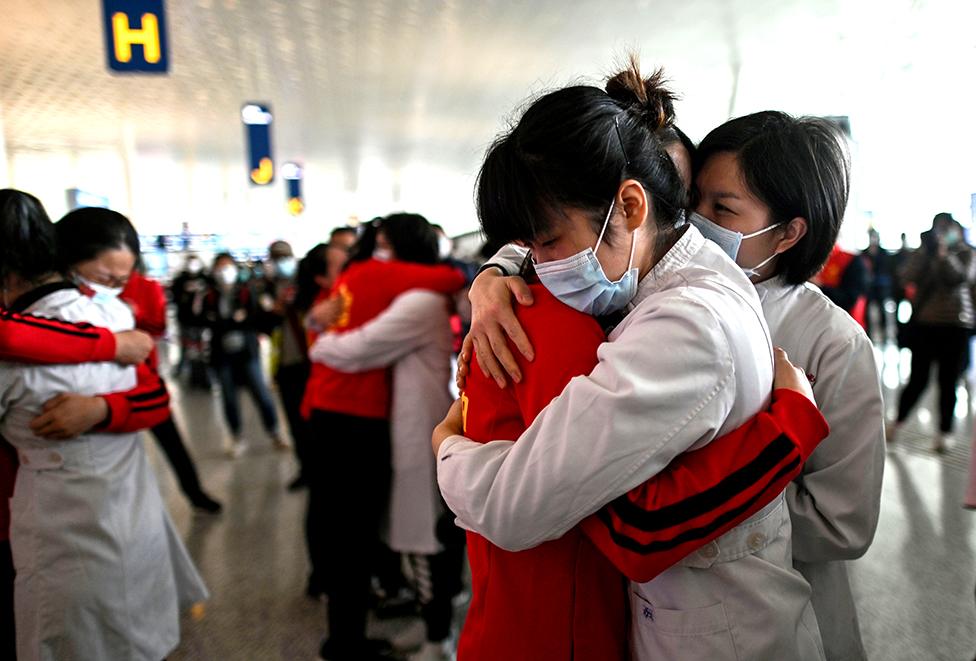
x=914 y=588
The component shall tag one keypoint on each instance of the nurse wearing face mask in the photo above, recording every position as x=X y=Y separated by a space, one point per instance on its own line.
x=944 y=272
x=782 y=184
x=584 y=182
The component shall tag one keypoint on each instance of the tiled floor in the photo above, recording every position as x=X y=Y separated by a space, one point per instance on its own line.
x=915 y=587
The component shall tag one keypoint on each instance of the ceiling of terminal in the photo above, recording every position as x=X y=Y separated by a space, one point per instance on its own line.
x=432 y=81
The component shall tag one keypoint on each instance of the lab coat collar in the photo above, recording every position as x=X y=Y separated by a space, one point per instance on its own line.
x=675 y=259
x=773 y=289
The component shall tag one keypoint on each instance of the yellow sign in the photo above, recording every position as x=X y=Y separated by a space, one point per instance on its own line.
x=146 y=36
x=263 y=173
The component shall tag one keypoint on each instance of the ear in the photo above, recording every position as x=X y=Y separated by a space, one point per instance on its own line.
x=633 y=200
x=796 y=229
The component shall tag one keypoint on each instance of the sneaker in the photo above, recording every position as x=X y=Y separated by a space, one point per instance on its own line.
x=432 y=652
x=939 y=445
x=205 y=504
x=891 y=430
x=234 y=449
x=280 y=443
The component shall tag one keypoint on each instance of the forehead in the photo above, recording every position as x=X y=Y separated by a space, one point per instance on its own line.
x=116 y=260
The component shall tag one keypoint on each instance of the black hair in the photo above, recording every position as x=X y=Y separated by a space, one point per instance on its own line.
x=27 y=239
x=85 y=233
x=798 y=167
x=365 y=244
x=342 y=230
x=413 y=238
x=572 y=148
x=314 y=263
x=222 y=255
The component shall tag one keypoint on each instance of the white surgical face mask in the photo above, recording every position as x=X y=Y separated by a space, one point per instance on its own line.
x=194 y=267
x=227 y=275
x=102 y=292
x=729 y=240
x=286 y=267
x=444 y=247
x=383 y=254
x=579 y=280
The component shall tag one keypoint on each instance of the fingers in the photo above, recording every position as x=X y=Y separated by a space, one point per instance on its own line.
x=41 y=422
x=487 y=362
x=54 y=402
x=464 y=361
x=513 y=329
x=502 y=354
x=520 y=290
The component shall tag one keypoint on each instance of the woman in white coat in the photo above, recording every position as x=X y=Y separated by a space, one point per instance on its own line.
x=584 y=181
x=100 y=568
x=771 y=190
x=413 y=336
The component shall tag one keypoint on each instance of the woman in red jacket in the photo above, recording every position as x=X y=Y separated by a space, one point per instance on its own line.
x=353 y=410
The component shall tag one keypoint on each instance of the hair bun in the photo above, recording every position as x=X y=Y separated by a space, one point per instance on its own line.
x=647 y=97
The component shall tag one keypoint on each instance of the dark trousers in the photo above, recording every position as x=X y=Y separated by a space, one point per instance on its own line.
x=8 y=641
x=947 y=347
x=291 y=387
x=439 y=579
x=246 y=371
x=349 y=489
x=168 y=437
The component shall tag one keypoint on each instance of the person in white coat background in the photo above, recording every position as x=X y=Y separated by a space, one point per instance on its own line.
x=771 y=190
x=413 y=336
x=585 y=183
x=101 y=571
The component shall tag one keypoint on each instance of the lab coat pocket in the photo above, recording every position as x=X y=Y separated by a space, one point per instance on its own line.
x=692 y=633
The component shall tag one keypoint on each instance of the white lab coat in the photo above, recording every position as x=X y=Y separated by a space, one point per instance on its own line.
x=101 y=571
x=691 y=361
x=414 y=336
x=834 y=504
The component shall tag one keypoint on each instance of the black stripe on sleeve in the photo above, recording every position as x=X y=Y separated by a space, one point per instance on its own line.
x=702 y=503
x=145 y=397
x=658 y=546
x=75 y=331
x=150 y=407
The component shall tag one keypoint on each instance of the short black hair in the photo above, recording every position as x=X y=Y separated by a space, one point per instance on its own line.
x=28 y=245
x=572 y=148
x=314 y=263
x=223 y=255
x=413 y=238
x=86 y=232
x=798 y=167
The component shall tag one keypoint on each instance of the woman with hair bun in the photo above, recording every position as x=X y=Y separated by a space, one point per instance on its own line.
x=584 y=181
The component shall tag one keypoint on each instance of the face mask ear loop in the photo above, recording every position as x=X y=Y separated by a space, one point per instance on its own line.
x=762 y=231
x=606 y=223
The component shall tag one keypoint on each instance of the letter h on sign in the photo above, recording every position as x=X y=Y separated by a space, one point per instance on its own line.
x=135 y=35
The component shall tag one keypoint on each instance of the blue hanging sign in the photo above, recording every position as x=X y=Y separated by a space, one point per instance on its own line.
x=257 y=126
x=292 y=173
x=135 y=35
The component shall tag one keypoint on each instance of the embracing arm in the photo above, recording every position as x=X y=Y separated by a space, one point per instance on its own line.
x=605 y=434
x=380 y=342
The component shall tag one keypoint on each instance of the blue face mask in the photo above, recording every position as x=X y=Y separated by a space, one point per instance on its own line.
x=286 y=267
x=729 y=241
x=579 y=280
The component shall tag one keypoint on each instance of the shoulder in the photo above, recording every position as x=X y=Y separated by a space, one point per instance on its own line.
x=548 y=314
x=808 y=307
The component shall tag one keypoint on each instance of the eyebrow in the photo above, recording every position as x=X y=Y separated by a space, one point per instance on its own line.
x=723 y=196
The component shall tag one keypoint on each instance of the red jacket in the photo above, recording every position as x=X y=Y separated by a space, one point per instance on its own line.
x=367 y=288
x=559 y=600
x=562 y=599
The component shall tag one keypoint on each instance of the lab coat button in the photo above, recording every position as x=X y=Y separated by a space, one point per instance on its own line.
x=710 y=551
x=54 y=456
x=756 y=541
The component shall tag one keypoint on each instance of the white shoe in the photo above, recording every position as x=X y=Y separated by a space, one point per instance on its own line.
x=234 y=449
x=431 y=652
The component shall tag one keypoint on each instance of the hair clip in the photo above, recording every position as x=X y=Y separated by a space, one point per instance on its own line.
x=616 y=126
